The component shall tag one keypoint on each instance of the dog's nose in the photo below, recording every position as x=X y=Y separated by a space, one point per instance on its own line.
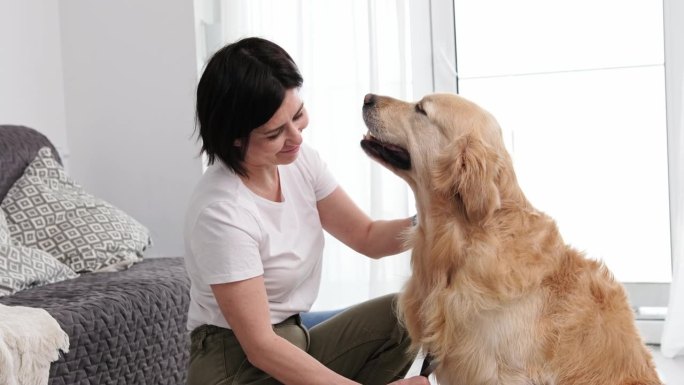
x=369 y=100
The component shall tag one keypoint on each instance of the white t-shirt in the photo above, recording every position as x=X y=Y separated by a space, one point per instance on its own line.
x=232 y=234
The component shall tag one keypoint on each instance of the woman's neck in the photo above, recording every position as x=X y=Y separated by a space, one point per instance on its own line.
x=264 y=182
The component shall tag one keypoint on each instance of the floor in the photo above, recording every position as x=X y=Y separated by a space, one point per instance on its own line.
x=671 y=371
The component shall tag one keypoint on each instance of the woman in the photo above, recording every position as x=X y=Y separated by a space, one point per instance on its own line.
x=254 y=240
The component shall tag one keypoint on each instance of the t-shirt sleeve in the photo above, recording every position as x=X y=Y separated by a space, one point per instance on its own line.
x=322 y=179
x=225 y=244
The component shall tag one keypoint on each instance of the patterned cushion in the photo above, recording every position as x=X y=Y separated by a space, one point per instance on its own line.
x=47 y=210
x=4 y=230
x=23 y=267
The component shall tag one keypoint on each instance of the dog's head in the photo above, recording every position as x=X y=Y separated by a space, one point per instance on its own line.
x=443 y=146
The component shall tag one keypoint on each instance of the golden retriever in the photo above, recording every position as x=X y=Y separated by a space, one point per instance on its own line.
x=495 y=296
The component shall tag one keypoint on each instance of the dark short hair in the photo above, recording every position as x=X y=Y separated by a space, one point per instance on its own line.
x=242 y=86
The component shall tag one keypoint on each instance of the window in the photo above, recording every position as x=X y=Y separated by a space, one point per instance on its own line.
x=579 y=90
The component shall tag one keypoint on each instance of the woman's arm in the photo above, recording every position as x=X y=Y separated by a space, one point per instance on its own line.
x=342 y=218
x=244 y=304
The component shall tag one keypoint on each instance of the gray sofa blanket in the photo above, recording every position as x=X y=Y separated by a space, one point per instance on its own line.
x=123 y=327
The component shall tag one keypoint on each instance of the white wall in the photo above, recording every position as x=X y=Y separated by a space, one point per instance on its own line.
x=129 y=81
x=112 y=85
x=31 y=86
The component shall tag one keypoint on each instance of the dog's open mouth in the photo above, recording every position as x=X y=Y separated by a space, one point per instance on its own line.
x=389 y=153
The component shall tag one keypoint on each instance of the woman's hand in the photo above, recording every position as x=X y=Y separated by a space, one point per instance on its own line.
x=417 y=380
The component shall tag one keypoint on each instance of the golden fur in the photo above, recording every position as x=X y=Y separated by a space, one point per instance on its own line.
x=496 y=296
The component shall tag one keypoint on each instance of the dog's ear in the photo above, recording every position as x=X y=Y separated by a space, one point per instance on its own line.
x=467 y=171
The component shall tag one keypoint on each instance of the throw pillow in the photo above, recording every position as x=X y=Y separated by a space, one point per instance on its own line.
x=23 y=267
x=4 y=230
x=46 y=209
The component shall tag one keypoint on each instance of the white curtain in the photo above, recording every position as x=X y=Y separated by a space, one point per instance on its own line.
x=672 y=343
x=344 y=49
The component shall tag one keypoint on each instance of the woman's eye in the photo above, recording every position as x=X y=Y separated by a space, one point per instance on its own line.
x=276 y=135
x=420 y=110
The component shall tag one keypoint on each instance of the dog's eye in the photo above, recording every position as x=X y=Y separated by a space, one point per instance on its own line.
x=420 y=110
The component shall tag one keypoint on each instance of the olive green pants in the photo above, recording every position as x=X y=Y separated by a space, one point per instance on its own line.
x=364 y=343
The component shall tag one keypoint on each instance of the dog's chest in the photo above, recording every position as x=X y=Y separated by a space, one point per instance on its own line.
x=497 y=346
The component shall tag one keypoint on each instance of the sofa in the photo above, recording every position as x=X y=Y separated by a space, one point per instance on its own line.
x=124 y=327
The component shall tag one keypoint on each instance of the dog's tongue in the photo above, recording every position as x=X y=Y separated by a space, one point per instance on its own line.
x=389 y=153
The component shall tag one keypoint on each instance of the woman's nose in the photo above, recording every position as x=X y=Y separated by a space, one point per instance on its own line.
x=294 y=134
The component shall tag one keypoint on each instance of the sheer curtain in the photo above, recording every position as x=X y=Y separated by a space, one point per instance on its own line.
x=344 y=49
x=672 y=343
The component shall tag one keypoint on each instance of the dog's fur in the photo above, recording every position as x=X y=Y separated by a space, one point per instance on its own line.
x=496 y=296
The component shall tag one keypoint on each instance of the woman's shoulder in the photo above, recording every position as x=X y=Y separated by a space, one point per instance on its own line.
x=309 y=160
x=308 y=154
x=312 y=171
x=218 y=182
x=219 y=190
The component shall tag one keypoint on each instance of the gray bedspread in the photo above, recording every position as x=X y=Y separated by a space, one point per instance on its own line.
x=126 y=327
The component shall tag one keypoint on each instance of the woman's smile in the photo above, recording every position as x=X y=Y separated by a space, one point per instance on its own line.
x=290 y=150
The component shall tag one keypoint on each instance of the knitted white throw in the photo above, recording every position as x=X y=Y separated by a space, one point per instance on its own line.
x=30 y=339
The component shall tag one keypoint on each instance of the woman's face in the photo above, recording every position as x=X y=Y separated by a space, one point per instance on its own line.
x=278 y=140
